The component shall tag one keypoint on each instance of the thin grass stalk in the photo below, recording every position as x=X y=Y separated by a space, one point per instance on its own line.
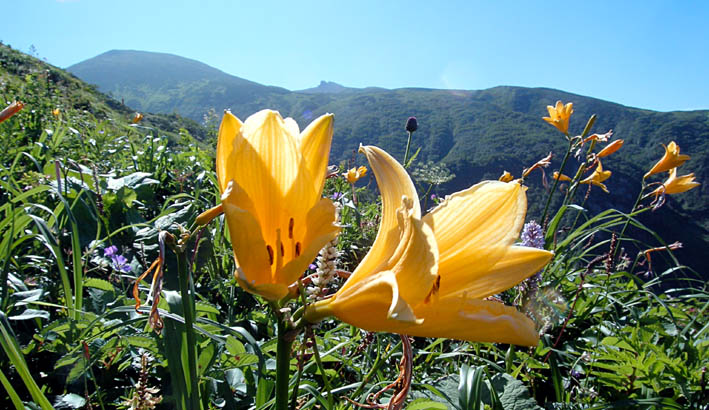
x=556 y=183
x=17 y=359
x=14 y=397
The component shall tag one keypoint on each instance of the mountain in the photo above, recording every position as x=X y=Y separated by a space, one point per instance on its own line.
x=476 y=133
x=166 y=83
x=329 y=87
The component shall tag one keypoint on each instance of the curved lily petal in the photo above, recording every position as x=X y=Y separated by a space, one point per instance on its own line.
x=394 y=184
x=374 y=304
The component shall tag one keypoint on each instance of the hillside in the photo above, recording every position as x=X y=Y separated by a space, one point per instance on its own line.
x=165 y=83
x=478 y=134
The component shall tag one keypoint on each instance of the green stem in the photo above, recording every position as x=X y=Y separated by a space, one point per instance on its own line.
x=283 y=350
x=188 y=313
x=325 y=379
x=408 y=145
x=556 y=183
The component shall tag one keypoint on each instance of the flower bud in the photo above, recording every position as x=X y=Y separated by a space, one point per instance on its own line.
x=411 y=124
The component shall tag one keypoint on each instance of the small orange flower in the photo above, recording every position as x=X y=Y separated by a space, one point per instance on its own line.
x=11 y=110
x=671 y=159
x=137 y=118
x=55 y=112
x=675 y=184
x=561 y=177
x=354 y=174
x=559 y=116
x=506 y=177
x=597 y=178
x=610 y=148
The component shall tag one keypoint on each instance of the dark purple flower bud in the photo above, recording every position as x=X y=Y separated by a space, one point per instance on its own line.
x=110 y=251
x=411 y=124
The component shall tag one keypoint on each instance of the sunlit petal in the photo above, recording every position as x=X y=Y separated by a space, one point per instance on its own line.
x=479 y=280
x=394 y=184
x=314 y=143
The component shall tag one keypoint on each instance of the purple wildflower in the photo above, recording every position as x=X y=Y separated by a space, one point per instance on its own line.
x=337 y=195
x=532 y=236
x=312 y=266
x=110 y=251
x=120 y=263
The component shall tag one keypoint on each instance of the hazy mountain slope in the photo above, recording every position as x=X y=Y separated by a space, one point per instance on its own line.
x=159 y=82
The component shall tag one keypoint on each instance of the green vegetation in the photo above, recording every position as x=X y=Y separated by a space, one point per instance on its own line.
x=87 y=199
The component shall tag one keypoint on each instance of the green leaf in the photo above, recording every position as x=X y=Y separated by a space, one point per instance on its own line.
x=425 y=404
x=513 y=394
x=99 y=284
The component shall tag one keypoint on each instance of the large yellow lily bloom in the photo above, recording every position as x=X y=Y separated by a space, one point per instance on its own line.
x=271 y=177
x=430 y=276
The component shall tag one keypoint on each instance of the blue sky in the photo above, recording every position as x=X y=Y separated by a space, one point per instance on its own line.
x=648 y=54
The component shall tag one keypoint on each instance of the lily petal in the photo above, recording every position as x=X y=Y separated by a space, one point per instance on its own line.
x=517 y=264
x=394 y=184
x=460 y=317
x=488 y=213
x=250 y=250
x=228 y=130
x=374 y=305
x=314 y=145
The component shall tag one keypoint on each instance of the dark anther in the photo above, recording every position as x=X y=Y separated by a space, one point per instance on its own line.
x=283 y=252
x=290 y=228
x=297 y=249
x=270 y=254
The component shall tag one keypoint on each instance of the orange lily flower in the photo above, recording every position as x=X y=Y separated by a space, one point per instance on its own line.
x=671 y=159
x=597 y=178
x=559 y=116
x=675 y=184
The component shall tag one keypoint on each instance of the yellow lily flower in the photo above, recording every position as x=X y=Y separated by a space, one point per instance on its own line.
x=429 y=276
x=671 y=159
x=506 y=177
x=559 y=116
x=610 y=148
x=137 y=118
x=675 y=184
x=271 y=177
x=597 y=177
x=354 y=174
